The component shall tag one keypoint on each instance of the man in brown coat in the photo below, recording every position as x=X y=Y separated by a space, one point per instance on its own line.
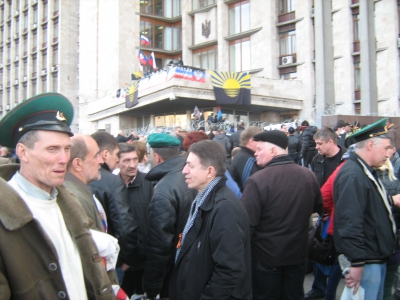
x=46 y=249
x=279 y=200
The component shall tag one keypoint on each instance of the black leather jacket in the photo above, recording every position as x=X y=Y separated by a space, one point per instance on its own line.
x=140 y=192
x=169 y=210
x=110 y=190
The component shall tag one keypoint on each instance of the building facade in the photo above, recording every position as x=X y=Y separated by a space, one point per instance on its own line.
x=304 y=58
x=38 y=50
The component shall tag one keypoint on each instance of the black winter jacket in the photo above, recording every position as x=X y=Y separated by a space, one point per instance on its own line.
x=215 y=259
x=110 y=190
x=294 y=145
x=308 y=143
x=169 y=210
x=364 y=225
x=140 y=193
x=280 y=200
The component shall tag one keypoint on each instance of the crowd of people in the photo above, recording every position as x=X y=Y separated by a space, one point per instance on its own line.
x=194 y=215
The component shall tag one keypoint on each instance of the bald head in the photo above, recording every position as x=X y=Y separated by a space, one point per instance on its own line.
x=85 y=160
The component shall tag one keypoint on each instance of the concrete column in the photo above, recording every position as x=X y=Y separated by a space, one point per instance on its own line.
x=369 y=94
x=152 y=121
x=324 y=70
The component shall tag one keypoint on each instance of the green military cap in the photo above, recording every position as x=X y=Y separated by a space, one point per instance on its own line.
x=377 y=129
x=48 y=111
x=162 y=140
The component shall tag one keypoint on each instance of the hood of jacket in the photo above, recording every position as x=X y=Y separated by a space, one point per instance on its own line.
x=220 y=137
x=174 y=164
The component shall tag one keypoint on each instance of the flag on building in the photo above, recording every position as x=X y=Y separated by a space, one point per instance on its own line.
x=132 y=97
x=196 y=112
x=144 y=40
x=219 y=114
x=142 y=58
x=231 y=88
x=136 y=75
x=152 y=60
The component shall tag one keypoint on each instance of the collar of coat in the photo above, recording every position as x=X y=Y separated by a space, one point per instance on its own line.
x=14 y=212
x=209 y=201
x=379 y=186
x=280 y=160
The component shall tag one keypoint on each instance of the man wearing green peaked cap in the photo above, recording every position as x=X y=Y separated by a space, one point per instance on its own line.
x=168 y=212
x=46 y=249
x=364 y=228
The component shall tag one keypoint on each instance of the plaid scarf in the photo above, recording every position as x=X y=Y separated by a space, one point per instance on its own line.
x=198 y=201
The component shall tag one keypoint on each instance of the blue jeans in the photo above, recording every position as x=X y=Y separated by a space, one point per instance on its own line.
x=120 y=275
x=372 y=281
x=270 y=282
x=327 y=278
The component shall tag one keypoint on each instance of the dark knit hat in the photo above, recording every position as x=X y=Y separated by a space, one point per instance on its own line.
x=275 y=137
x=305 y=123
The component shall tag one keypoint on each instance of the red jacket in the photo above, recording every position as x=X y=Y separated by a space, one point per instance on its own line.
x=327 y=196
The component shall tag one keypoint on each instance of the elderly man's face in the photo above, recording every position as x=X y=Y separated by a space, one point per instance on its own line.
x=92 y=162
x=45 y=164
x=382 y=150
x=263 y=153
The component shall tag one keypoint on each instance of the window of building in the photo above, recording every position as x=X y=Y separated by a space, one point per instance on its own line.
x=239 y=17
x=206 y=58
x=1 y=77
x=8 y=53
x=25 y=71
x=45 y=11
x=25 y=45
x=35 y=15
x=16 y=27
x=16 y=50
x=56 y=6
x=26 y=18
x=163 y=8
x=34 y=41
x=239 y=55
x=44 y=60
x=24 y=91
x=34 y=87
x=44 y=37
x=9 y=31
x=16 y=71
x=34 y=66
x=44 y=84
x=8 y=97
x=55 y=82
x=55 y=55
x=356 y=37
x=8 y=75
x=16 y=94
x=2 y=15
x=287 y=45
x=162 y=35
x=286 y=6
x=17 y=4
x=289 y=76
x=8 y=9
x=55 y=31
x=197 y=4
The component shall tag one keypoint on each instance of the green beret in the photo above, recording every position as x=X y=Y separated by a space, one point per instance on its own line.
x=377 y=129
x=48 y=111
x=162 y=140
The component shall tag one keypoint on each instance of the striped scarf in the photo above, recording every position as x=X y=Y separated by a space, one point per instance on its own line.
x=198 y=201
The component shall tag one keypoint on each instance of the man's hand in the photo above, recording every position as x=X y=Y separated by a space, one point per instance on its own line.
x=396 y=200
x=125 y=267
x=353 y=279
